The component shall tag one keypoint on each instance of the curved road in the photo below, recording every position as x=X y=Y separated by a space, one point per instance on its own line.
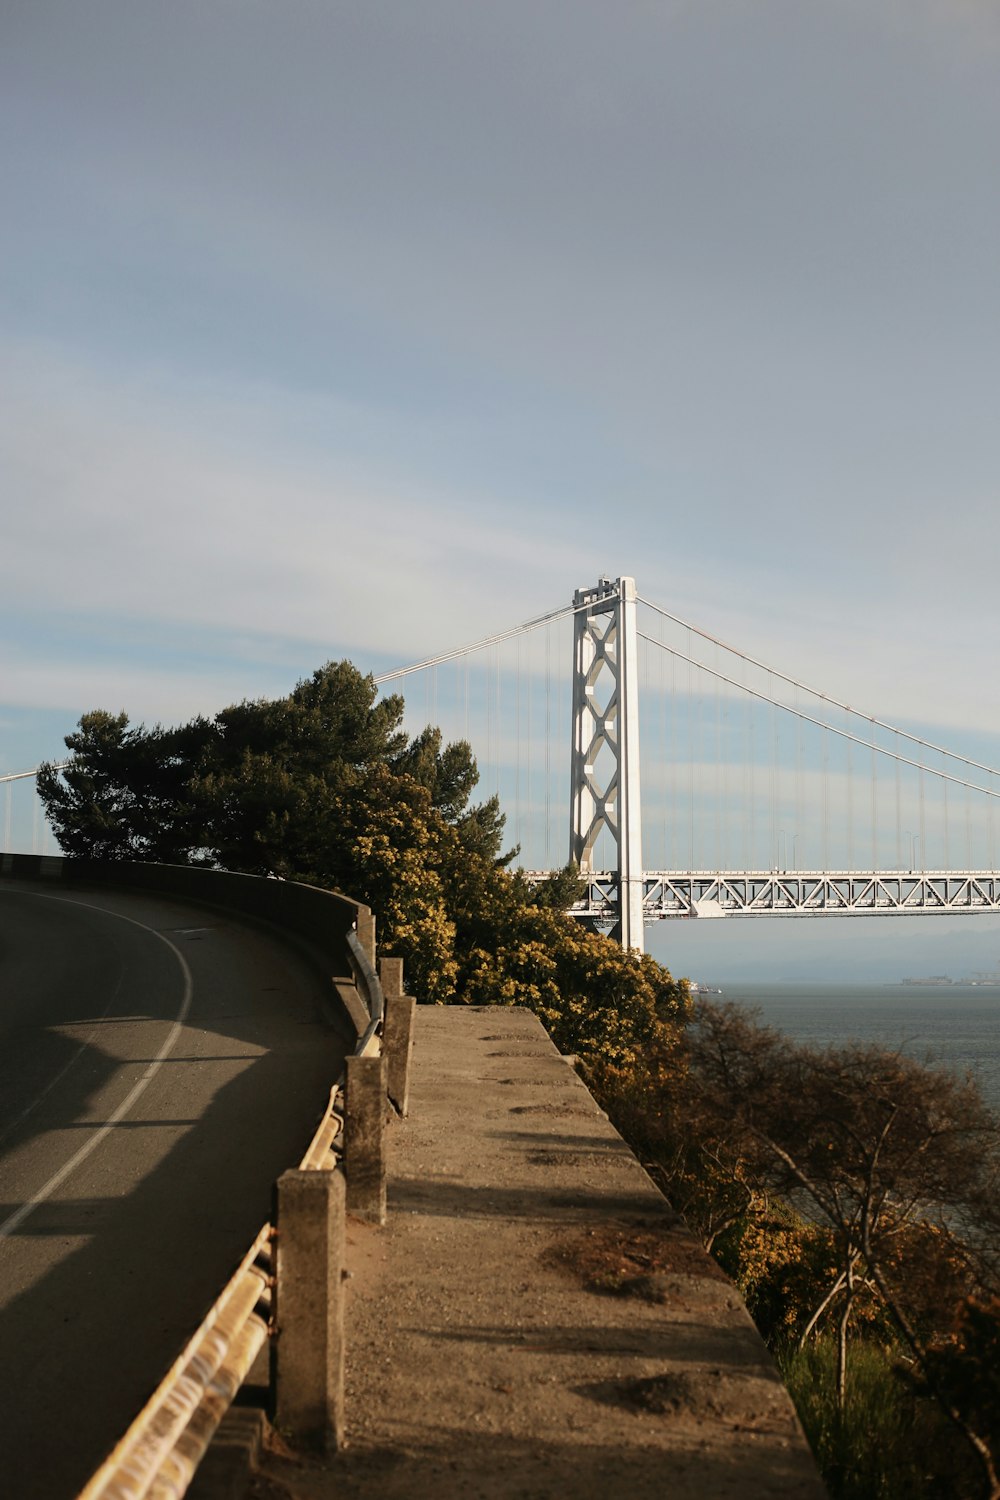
x=160 y=1066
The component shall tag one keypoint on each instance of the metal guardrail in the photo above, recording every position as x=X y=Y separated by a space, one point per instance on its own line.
x=161 y=1450
x=157 y=1457
x=367 y=982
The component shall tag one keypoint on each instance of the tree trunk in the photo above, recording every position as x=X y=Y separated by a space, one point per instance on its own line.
x=842 y=1351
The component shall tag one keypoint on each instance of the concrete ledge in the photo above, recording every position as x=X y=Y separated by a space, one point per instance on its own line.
x=534 y=1320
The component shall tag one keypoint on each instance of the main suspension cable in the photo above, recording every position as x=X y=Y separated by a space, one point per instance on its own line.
x=815 y=693
x=488 y=640
x=843 y=734
x=60 y=765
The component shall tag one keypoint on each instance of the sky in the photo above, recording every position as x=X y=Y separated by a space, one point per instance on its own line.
x=364 y=330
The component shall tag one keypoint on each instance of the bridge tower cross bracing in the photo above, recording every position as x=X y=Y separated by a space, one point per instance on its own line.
x=606 y=743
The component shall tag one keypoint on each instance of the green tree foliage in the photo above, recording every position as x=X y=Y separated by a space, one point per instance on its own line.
x=597 y=1002
x=560 y=891
x=323 y=786
x=126 y=793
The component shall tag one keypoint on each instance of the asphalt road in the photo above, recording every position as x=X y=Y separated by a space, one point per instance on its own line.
x=160 y=1066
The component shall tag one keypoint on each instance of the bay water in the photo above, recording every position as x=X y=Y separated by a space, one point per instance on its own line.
x=956 y=1026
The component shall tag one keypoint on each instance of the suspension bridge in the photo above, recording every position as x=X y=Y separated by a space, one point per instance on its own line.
x=687 y=779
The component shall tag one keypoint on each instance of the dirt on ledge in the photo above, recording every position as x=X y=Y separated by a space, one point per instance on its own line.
x=534 y=1321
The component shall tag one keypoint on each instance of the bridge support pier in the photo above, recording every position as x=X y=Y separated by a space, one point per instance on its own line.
x=604 y=774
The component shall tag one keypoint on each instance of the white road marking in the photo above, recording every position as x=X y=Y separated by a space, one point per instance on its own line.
x=17 y=1218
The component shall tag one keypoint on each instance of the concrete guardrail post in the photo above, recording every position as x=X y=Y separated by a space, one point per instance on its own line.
x=308 y=1350
x=364 y=1137
x=397 y=1032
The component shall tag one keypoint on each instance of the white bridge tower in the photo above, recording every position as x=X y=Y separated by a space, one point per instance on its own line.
x=604 y=775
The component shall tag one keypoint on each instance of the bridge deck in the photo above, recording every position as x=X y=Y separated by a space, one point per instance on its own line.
x=482 y=1357
x=787 y=893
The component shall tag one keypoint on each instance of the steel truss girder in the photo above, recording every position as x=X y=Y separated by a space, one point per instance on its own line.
x=770 y=893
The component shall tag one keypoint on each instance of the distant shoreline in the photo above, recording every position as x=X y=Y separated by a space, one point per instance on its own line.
x=943 y=982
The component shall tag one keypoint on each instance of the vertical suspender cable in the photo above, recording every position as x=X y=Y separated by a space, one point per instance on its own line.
x=850 y=798
x=718 y=774
x=488 y=710
x=698 y=838
x=746 y=848
x=529 y=689
x=560 y=709
x=673 y=862
x=874 y=804
x=664 y=775
x=727 y=852
x=518 y=827
x=899 y=817
x=465 y=678
x=498 y=721
x=690 y=761
x=947 y=828
x=753 y=784
x=775 y=780
x=923 y=819
x=800 y=825
x=493 y=760
x=825 y=750
x=645 y=758
x=547 y=747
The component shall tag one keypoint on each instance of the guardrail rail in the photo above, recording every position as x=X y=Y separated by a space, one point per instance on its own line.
x=158 y=1455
